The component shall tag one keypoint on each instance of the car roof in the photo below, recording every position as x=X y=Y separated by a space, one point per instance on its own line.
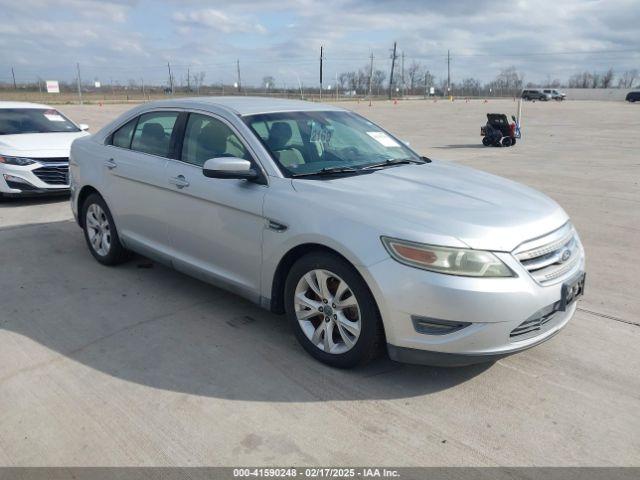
x=22 y=105
x=245 y=105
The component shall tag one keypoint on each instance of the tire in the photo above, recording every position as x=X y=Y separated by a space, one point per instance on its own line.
x=513 y=141
x=341 y=337
x=506 y=142
x=486 y=142
x=98 y=223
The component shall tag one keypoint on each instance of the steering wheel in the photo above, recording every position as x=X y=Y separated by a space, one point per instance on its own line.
x=351 y=152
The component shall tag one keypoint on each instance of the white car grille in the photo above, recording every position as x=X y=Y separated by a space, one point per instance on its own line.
x=551 y=257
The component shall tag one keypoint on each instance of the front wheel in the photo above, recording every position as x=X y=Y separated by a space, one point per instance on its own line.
x=332 y=311
x=100 y=232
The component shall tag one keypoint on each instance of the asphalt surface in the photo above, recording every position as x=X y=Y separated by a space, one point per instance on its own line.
x=139 y=365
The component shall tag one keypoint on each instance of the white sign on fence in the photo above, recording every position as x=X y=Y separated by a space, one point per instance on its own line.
x=96 y=84
x=53 y=86
x=432 y=90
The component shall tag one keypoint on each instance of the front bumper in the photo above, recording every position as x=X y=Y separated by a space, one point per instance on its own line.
x=40 y=178
x=495 y=309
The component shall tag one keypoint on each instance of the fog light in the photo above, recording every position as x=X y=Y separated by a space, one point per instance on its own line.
x=11 y=178
x=434 y=326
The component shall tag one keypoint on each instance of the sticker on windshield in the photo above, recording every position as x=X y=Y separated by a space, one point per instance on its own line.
x=53 y=116
x=320 y=133
x=383 y=139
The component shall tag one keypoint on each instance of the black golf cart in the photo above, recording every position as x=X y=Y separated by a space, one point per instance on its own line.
x=498 y=131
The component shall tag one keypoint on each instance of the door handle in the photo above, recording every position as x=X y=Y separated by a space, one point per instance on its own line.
x=110 y=164
x=179 y=181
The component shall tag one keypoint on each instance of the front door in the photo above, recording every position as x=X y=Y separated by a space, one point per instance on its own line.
x=215 y=225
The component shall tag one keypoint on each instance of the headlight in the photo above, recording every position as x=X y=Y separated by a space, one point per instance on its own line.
x=21 y=161
x=452 y=261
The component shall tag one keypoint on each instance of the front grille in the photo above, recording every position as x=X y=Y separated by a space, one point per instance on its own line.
x=53 y=174
x=52 y=159
x=537 y=323
x=552 y=256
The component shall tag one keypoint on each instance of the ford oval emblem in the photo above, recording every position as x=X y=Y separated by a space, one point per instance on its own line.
x=566 y=255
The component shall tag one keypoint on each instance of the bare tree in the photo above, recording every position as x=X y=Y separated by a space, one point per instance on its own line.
x=607 y=79
x=268 y=82
x=628 y=78
x=415 y=74
x=343 y=80
x=508 y=82
x=377 y=81
x=470 y=87
x=581 y=80
x=198 y=80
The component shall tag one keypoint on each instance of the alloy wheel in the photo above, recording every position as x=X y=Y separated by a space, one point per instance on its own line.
x=327 y=311
x=98 y=230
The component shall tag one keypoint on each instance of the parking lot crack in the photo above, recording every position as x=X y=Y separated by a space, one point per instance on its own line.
x=608 y=317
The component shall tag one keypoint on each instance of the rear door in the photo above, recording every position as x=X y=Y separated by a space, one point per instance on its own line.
x=216 y=225
x=136 y=178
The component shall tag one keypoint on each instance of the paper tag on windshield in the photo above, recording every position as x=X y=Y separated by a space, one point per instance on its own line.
x=383 y=139
x=53 y=116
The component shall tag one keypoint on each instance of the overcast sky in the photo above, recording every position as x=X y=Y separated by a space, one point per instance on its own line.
x=121 y=40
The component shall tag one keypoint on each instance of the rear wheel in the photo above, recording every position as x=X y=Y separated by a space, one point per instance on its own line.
x=506 y=142
x=100 y=232
x=332 y=311
x=486 y=142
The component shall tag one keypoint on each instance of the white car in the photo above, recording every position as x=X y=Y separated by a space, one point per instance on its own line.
x=34 y=149
x=314 y=211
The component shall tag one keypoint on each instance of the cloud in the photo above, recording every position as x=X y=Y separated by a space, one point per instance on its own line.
x=218 y=20
x=124 y=39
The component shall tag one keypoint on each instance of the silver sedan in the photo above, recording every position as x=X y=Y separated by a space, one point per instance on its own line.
x=313 y=211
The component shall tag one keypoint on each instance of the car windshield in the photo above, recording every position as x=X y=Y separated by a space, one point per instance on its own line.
x=33 y=120
x=306 y=143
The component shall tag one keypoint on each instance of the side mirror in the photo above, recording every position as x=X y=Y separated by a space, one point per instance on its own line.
x=84 y=127
x=229 y=167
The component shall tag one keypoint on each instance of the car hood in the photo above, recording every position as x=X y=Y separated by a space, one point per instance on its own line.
x=39 y=145
x=439 y=201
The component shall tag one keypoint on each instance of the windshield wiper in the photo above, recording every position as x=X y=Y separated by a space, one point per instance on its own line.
x=328 y=171
x=390 y=162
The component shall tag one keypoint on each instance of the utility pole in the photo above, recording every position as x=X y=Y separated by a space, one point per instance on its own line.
x=448 y=73
x=238 y=68
x=370 y=77
x=15 y=87
x=79 y=83
x=393 y=63
x=170 y=78
x=188 y=80
x=402 y=76
x=143 y=96
x=321 y=58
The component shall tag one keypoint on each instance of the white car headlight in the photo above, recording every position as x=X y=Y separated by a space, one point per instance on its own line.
x=449 y=260
x=21 y=161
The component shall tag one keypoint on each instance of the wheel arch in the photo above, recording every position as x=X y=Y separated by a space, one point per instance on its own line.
x=287 y=261
x=82 y=196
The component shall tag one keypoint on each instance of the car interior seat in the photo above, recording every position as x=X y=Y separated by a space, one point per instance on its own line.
x=280 y=134
x=153 y=139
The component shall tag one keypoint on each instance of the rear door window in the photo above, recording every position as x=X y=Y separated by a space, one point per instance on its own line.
x=153 y=133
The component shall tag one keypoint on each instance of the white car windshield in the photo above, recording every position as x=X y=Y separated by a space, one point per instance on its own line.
x=33 y=120
x=308 y=143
